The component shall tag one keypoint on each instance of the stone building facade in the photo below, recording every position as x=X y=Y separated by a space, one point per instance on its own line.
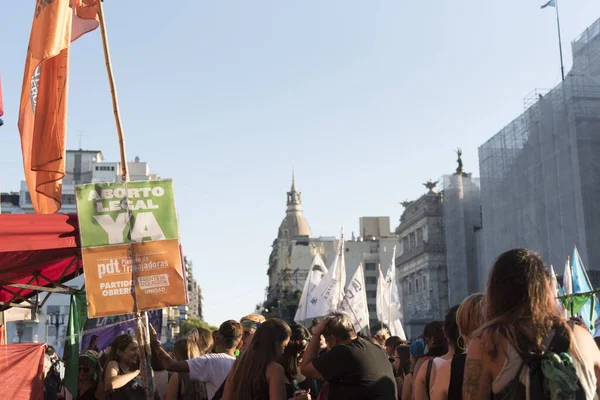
x=421 y=262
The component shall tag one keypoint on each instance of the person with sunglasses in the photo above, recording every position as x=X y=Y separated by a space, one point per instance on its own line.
x=249 y=325
x=88 y=387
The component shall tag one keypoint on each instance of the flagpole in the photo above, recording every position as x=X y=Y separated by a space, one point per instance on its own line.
x=113 y=93
x=392 y=265
x=141 y=317
x=341 y=250
x=562 y=66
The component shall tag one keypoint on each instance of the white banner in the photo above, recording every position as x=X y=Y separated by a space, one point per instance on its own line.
x=355 y=300
x=328 y=295
x=315 y=276
x=388 y=300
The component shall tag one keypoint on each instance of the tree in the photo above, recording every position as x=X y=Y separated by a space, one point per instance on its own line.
x=193 y=323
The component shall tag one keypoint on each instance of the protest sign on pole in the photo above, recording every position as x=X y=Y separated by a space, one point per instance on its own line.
x=130 y=230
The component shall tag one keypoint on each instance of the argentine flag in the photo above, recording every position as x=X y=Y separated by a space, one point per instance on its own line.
x=581 y=284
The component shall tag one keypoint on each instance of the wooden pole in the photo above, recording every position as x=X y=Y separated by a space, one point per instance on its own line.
x=141 y=317
x=113 y=92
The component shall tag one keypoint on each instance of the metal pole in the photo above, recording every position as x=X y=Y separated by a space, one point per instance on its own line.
x=141 y=317
x=562 y=66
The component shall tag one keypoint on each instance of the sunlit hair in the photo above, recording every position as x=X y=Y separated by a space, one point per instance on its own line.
x=469 y=316
x=340 y=326
x=200 y=341
x=120 y=343
x=248 y=373
x=254 y=318
x=519 y=305
x=187 y=348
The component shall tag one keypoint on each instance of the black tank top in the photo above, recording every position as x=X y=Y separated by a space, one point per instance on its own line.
x=457 y=372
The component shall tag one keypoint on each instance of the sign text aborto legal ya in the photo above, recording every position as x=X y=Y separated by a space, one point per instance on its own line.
x=127 y=228
x=105 y=211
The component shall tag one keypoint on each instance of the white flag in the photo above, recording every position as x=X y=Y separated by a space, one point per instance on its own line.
x=355 y=300
x=328 y=295
x=315 y=275
x=388 y=300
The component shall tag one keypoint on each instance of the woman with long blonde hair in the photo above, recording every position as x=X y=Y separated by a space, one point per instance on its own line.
x=449 y=379
x=521 y=319
x=197 y=343
x=256 y=374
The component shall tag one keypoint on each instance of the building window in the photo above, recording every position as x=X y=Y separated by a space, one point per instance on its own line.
x=424 y=282
x=370 y=267
x=371 y=294
x=419 y=236
x=28 y=197
x=417 y=285
x=96 y=168
x=412 y=240
x=405 y=244
x=68 y=199
x=409 y=288
x=371 y=280
x=112 y=168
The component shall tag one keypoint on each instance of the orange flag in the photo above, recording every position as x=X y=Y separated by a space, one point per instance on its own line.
x=43 y=107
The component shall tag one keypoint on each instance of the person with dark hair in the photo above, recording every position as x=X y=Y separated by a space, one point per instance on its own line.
x=290 y=358
x=436 y=345
x=390 y=345
x=94 y=344
x=121 y=373
x=88 y=382
x=522 y=323
x=211 y=368
x=257 y=374
x=425 y=379
x=402 y=366
x=353 y=367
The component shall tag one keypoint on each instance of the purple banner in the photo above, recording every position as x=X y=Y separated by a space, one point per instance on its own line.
x=104 y=337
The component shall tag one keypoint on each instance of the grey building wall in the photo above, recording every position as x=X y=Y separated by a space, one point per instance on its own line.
x=540 y=175
x=421 y=263
x=462 y=217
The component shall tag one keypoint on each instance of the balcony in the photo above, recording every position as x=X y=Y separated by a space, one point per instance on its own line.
x=419 y=250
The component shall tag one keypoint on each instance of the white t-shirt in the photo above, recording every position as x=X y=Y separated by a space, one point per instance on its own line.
x=211 y=368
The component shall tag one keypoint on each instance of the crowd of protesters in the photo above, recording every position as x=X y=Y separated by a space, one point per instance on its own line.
x=512 y=342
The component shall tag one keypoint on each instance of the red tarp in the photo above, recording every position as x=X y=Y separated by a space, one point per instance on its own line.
x=36 y=243
x=22 y=371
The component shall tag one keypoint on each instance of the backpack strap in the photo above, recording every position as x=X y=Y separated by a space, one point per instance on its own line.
x=428 y=376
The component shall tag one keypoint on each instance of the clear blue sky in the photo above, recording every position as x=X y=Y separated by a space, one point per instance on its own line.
x=365 y=99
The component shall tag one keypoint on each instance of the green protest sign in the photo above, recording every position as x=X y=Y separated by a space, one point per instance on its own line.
x=106 y=209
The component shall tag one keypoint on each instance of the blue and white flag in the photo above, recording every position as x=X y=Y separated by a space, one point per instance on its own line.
x=551 y=3
x=581 y=284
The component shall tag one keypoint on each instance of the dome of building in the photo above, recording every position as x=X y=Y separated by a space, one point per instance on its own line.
x=294 y=224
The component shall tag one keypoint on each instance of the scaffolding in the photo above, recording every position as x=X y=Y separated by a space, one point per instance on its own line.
x=540 y=175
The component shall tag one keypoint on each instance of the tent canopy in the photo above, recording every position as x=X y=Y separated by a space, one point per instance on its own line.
x=37 y=253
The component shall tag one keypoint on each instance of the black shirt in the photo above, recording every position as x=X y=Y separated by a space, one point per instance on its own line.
x=356 y=371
